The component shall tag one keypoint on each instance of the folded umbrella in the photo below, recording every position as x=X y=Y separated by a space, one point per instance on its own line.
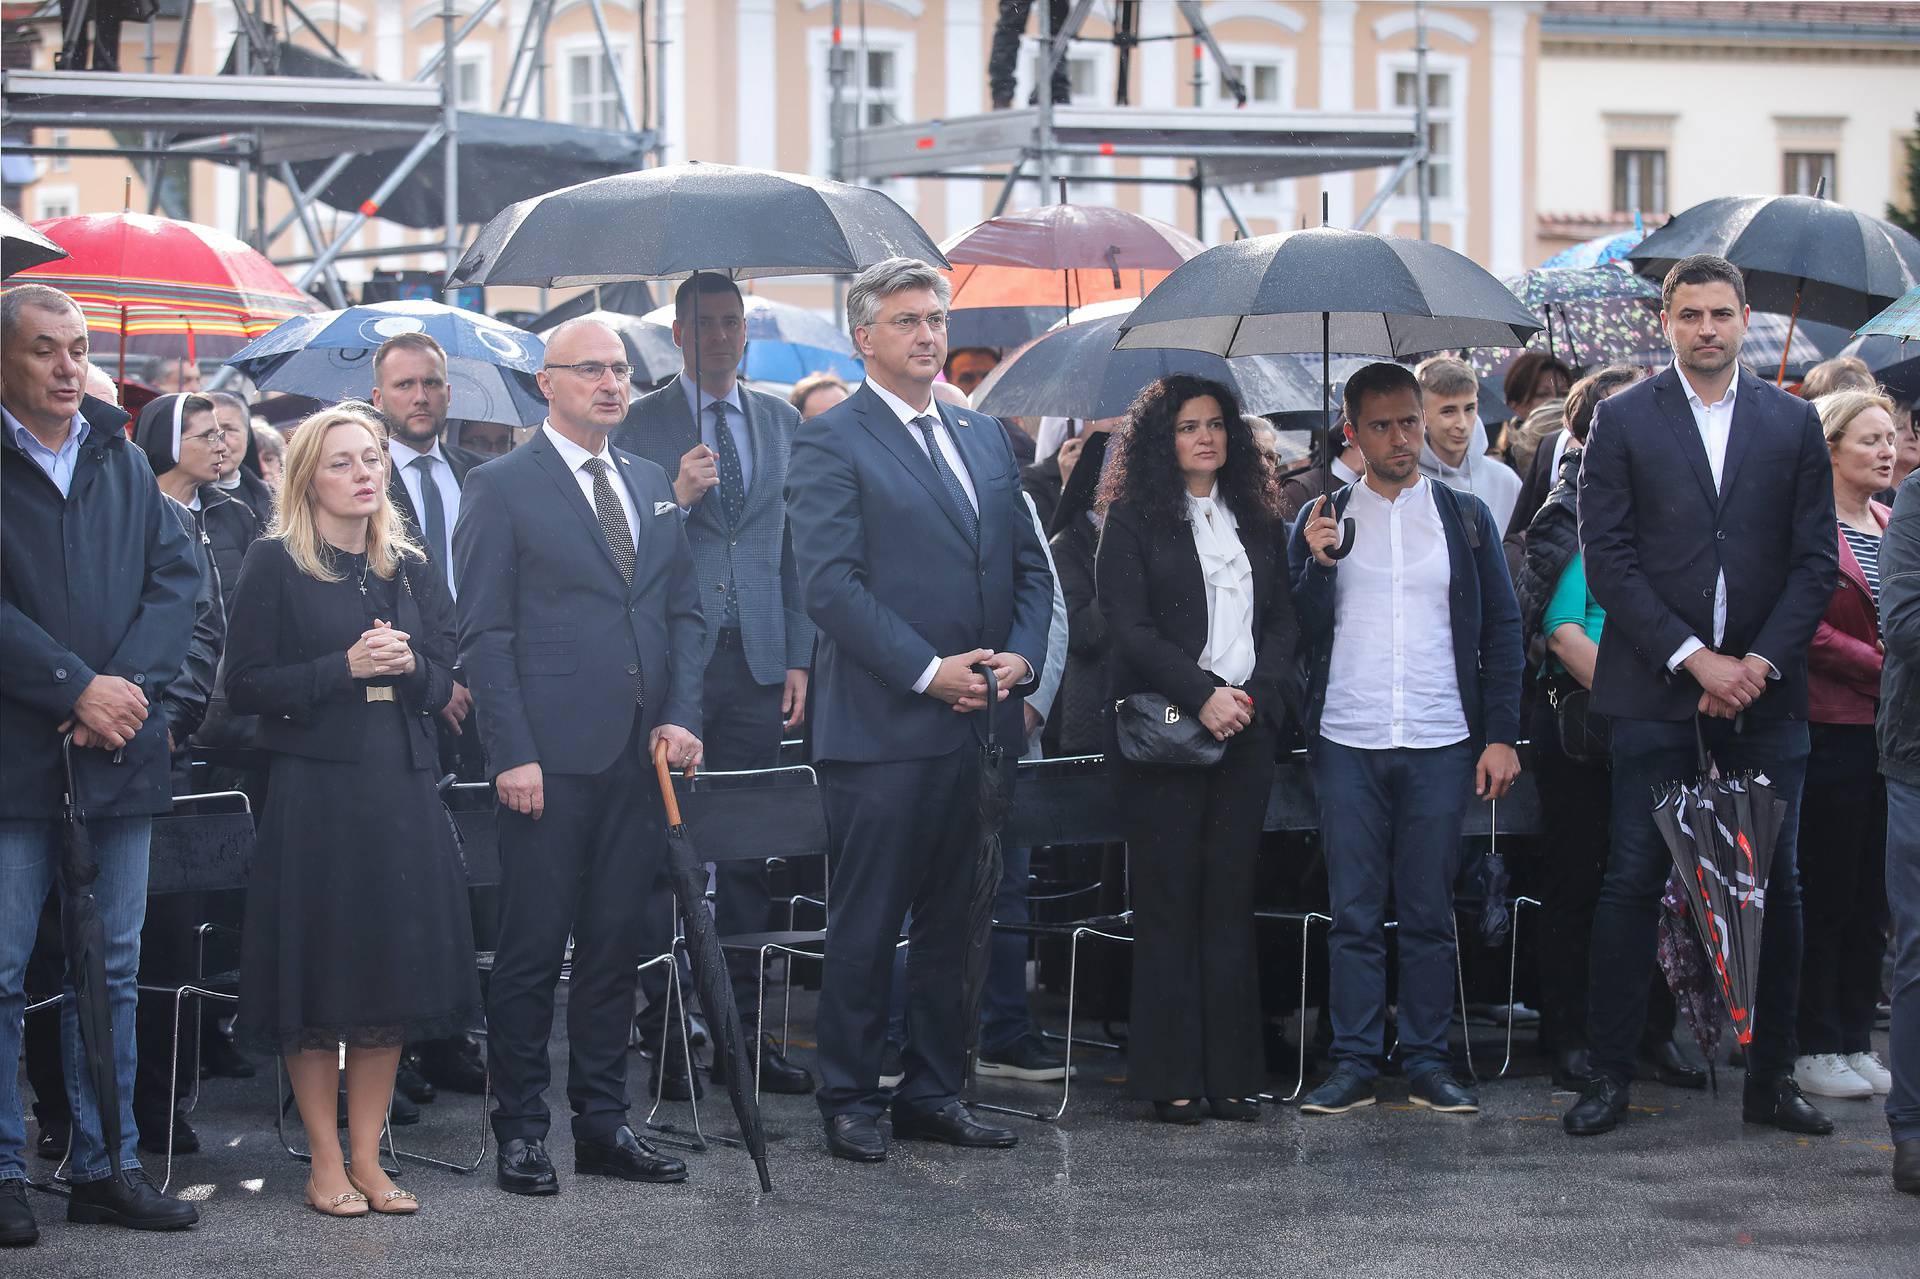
x=83 y=933
x=991 y=802
x=710 y=976
x=1684 y=964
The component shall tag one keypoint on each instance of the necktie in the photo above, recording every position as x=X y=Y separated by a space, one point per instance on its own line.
x=433 y=512
x=733 y=491
x=612 y=517
x=956 y=492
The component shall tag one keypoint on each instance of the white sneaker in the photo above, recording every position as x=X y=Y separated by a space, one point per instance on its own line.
x=1870 y=1068
x=1829 y=1075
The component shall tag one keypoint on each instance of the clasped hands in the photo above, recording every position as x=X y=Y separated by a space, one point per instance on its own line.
x=380 y=651
x=1728 y=684
x=964 y=689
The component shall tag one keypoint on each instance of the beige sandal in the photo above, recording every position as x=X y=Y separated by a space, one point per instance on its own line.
x=340 y=1205
x=396 y=1202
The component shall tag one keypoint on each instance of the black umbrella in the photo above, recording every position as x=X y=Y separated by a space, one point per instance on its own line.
x=1721 y=831
x=710 y=970
x=1076 y=372
x=1800 y=254
x=632 y=297
x=1328 y=289
x=84 y=935
x=1894 y=362
x=21 y=246
x=992 y=801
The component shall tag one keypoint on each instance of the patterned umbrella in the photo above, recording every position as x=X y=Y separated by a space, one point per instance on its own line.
x=1901 y=320
x=1767 y=340
x=1595 y=316
x=175 y=289
x=1895 y=362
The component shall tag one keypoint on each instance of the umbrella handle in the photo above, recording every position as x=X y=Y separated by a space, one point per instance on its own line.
x=1345 y=548
x=665 y=772
x=66 y=760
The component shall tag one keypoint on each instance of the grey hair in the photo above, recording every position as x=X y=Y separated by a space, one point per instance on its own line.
x=41 y=297
x=230 y=400
x=884 y=279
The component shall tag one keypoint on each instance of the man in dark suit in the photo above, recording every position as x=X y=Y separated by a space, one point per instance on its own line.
x=1706 y=520
x=728 y=464
x=917 y=562
x=580 y=630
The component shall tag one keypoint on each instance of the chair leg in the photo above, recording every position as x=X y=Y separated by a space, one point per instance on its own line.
x=1513 y=968
x=1300 y=1080
x=1460 y=978
x=1073 y=984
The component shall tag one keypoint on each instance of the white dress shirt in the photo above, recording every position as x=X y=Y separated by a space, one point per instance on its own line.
x=1715 y=424
x=1228 y=573
x=404 y=456
x=700 y=404
x=58 y=464
x=577 y=458
x=1392 y=683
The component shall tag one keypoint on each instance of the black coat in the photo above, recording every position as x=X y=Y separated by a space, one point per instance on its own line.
x=1154 y=599
x=231 y=527
x=1899 y=727
x=1656 y=535
x=100 y=582
x=185 y=701
x=461 y=462
x=1548 y=545
x=301 y=688
x=1079 y=723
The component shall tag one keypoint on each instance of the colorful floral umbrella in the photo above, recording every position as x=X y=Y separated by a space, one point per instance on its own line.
x=1594 y=316
x=174 y=289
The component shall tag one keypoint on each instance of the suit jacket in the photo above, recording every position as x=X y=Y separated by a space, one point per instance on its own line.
x=758 y=555
x=1656 y=535
x=892 y=581
x=461 y=463
x=1154 y=599
x=551 y=636
x=185 y=702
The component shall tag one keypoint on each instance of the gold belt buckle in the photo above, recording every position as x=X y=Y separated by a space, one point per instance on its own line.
x=380 y=693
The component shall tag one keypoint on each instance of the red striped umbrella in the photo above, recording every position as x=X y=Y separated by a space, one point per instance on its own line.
x=175 y=289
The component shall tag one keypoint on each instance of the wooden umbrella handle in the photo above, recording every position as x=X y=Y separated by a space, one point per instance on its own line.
x=665 y=772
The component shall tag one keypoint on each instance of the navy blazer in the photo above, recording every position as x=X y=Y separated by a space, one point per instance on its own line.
x=1487 y=658
x=891 y=579
x=1656 y=535
x=775 y=635
x=551 y=635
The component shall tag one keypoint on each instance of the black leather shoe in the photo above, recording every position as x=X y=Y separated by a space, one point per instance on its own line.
x=1570 y=1068
x=953 y=1125
x=1245 y=1110
x=153 y=1135
x=1777 y=1102
x=1906 y=1166
x=17 y=1227
x=414 y=1086
x=128 y=1199
x=625 y=1156
x=1347 y=1088
x=405 y=1110
x=1439 y=1091
x=219 y=1059
x=454 y=1065
x=856 y=1137
x=680 y=1084
x=777 y=1074
x=1183 y=1113
x=1602 y=1104
x=522 y=1168
x=1666 y=1064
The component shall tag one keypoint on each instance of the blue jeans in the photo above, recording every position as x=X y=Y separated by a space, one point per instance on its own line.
x=1391 y=817
x=29 y=862
x=1004 y=1016
x=1903 y=896
x=1648 y=754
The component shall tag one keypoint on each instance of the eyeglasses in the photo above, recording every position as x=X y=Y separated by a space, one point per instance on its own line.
x=213 y=435
x=594 y=370
x=906 y=325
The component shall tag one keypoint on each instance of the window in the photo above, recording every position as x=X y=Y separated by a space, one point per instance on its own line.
x=1261 y=81
x=872 y=94
x=1805 y=170
x=470 y=87
x=1639 y=181
x=592 y=96
x=877 y=89
x=54 y=202
x=60 y=163
x=1441 y=137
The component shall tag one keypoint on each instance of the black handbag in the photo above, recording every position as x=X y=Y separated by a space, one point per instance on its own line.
x=1585 y=738
x=1153 y=731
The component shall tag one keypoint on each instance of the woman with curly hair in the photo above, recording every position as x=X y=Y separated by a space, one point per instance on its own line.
x=1191 y=576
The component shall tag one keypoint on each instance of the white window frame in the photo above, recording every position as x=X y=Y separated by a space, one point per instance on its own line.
x=1453 y=208
x=1276 y=198
x=1082 y=168
x=820 y=98
x=564 y=53
x=469 y=55
x=60 y=163
x=47 y=201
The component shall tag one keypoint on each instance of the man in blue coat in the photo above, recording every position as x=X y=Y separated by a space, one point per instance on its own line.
x=917 y=562
x=97 y=596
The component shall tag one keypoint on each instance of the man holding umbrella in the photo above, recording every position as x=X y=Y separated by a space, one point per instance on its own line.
x=918 y=563
x=1706 y=520
x=95 y=618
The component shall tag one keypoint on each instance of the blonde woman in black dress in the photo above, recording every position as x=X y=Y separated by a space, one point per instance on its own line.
x=357 y=928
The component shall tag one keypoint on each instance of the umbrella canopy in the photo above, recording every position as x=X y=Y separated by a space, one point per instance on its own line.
x=669 y=222
x=329 y=356
x=21 y=246
x=1597 y=315
x=715 y=984
x=175 y=289
x=650 y=348
x=1770 y=336
x=1895 y=362
x=785 y=342
x=1801 y=255
x=1901 y=320
x=1598 y=251
x=631 y=297
x=83 y=934
x=1076 y=372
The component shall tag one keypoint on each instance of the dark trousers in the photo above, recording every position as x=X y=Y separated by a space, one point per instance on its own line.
x=1648 y=754
x=1392 y=819
x=1192 y=838
x=1003 y=63
x=1843 y=889
x=1903 y=895
x=584 y=868
x=905 y=836
x=1005 y=1018
x=742 y=730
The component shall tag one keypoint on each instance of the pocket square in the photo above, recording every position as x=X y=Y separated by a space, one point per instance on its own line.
x=661 y=508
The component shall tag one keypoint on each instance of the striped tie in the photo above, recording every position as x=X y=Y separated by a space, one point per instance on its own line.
x=956 y=492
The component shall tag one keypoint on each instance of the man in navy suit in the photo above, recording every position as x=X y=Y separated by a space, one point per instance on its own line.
x=728 y=464
x=580 y=631
x=1706 y=520
x=917 y=562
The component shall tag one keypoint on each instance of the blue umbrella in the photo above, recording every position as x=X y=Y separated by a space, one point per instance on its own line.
x=329 y=356
x=786 y=342
x=1598 y=251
